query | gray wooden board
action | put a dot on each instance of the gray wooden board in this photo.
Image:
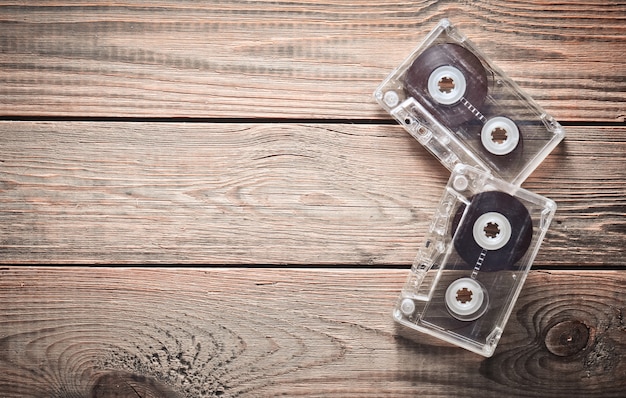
(291, 193)
(292, 59)
(80, 332)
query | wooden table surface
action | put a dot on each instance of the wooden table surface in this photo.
(239, 141)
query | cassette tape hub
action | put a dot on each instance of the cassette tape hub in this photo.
(465, 110)
(466, 277)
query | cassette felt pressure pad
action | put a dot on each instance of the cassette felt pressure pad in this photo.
(464, 109)
(487, 230)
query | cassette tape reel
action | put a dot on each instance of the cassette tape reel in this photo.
(481, 244)
(464, 109)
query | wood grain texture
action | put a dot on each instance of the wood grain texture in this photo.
(96, 332)
(292, 59)
(249, 187)
(270, 194)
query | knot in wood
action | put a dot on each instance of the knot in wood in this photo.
(567, 338)
(120, 384)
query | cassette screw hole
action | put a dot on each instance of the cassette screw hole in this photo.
(407, 121)
(446, 84)
(460, 183)
(407, 307)
(391, 98)
(499, 135)
(464, 296)
(492, 230)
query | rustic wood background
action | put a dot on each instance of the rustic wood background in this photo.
(239, 141)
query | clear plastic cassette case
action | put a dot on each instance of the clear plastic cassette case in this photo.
(463, 109)
(468, 274)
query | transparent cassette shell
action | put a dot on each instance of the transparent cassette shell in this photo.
(507, 132)
(465, 302)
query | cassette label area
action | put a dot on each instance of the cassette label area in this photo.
(464, 109)
(467, 275)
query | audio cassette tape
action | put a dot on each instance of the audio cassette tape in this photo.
(468, 274)
(464, 109)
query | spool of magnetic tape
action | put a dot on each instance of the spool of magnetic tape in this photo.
(467, 276)
(465, 110)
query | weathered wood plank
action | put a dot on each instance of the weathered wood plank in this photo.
(292, 59)
(270, 194)
(93, 332)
